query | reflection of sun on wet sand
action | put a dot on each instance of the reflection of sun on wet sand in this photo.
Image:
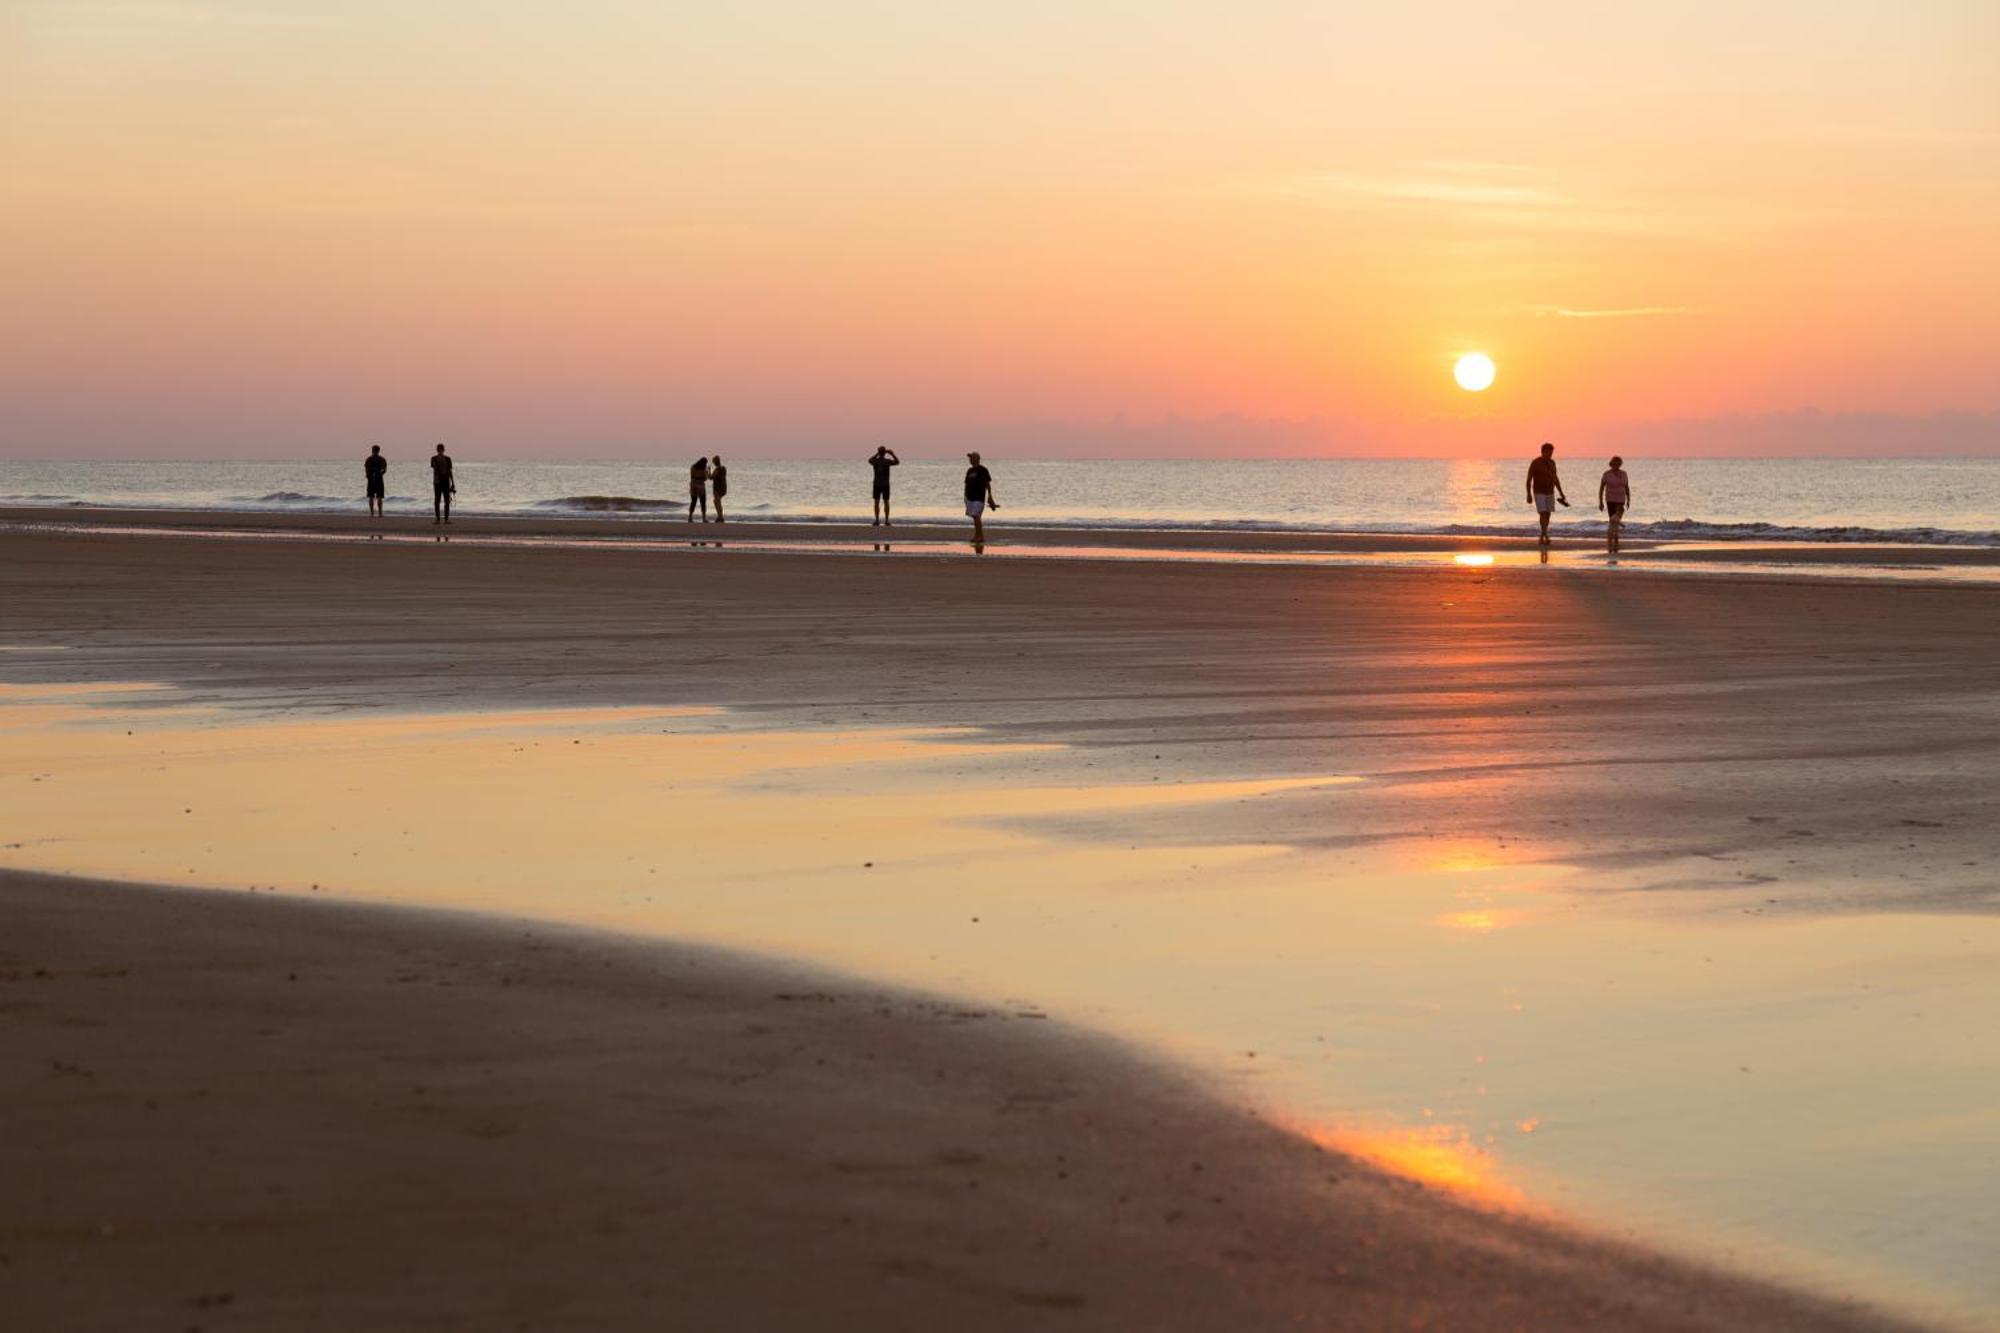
(1706, 814)
(300, 1115)
(1441, 1156)
(1968, 563)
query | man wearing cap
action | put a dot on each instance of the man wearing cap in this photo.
(1545, 488)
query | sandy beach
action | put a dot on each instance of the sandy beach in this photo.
(208, 1138)
(1035, 667)
(245, 1112)
(1858, 715)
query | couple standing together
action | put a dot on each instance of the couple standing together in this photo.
(707, 474)
(1545, 490)
(978, 490)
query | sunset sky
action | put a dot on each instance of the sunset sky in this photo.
(608, 227)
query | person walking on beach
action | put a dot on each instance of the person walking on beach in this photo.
(376, 469)
(443, 487)
(718, 481)
(1614, 493)
(698, 489)
(1545, 488)
(882, 460)
(978, 497)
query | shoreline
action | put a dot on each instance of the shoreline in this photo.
(1949, 565)
(1782, 750)
(370, 1109)
(673, 527)
(1051, 533)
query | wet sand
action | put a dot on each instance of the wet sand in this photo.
(674, 528)
(238, 1111)
(920, 536)
(1833, 744)
(1799, 748)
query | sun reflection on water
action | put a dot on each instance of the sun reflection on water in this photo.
(1480, 922)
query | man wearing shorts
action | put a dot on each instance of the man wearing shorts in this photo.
(1545, 488)
(1614, 492)
(978, 497)
(443, 487)
(376, 469)
(883, 459)
(718, 482)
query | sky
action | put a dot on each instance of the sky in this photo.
(615, 228)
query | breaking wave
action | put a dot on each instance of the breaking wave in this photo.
(608, 504)
(1696, 530)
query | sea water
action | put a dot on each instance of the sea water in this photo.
(1951, 501)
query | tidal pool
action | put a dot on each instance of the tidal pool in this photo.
(1804, 1096)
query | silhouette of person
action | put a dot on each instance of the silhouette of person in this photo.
(881, 461)
(1614, 493)
(1545, 488)
(443, 486)
(698, 489)
(376, 469)
(978, 497)
(718, 481)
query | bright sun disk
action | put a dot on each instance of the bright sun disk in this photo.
(1473, 372)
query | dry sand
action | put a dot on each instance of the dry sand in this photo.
(559, 1149)
(233, 1111)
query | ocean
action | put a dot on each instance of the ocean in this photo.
(1945, 501)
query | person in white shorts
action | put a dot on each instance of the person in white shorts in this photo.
(978, 496)
(1614, 493)
(1545, 488)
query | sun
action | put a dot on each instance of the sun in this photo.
(1473, 372)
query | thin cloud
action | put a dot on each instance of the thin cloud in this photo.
(1497, 194)
(1625, 312)
(164, 13)
(1888, 134)
(1499, 197)
(1450, 185)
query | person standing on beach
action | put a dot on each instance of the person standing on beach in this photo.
(1614, 493)
(882, 460)
(376, 469)
(698, 489)
(1545, 488)
(978, 497)
(443, 487)
(718, 481)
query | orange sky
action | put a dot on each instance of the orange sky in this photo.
(277, 228)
